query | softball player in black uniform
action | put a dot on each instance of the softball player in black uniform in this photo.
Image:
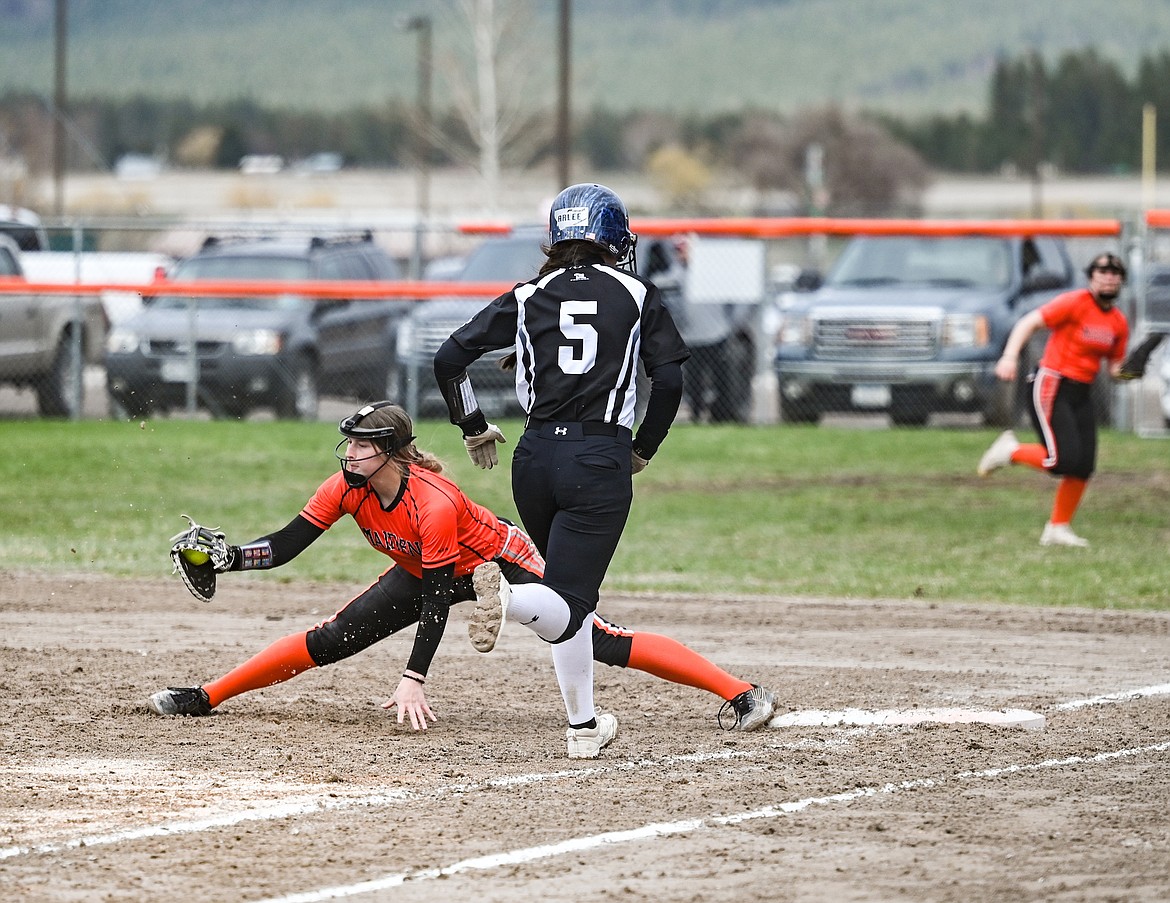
(578, 330)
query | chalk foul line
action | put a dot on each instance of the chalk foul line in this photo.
(315, 804)
(613, 838)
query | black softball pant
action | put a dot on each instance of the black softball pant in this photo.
(1063, 415)
(393, 604)
(573, 492)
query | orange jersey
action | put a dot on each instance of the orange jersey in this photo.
(430, 525)
(1082, 335)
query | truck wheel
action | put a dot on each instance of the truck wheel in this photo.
(733, 396)
(59, 390)
(1001, 410)
(1008, 403)
(298, 398)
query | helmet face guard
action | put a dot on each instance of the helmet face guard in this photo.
(591, 212)
(385, 436)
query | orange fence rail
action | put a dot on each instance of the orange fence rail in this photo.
(790, 227)
(407, 290)
(745, 227)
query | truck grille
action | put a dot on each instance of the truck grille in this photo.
(430, 334)
(433, 333)
(169, 348)
(875, 339)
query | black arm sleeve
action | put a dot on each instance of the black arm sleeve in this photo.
(451, 362)
(438, 586)
(284, 545)
(666, 387)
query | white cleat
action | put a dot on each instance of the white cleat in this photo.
(587, 742)
(999, 454)
(1061, 535)
(492, 595)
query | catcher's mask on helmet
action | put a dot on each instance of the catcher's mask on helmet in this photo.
(382, 432)
(1108, 263)
(591, 212)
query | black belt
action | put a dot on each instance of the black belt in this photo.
(588, 428)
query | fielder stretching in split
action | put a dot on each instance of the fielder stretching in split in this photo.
(437, 537)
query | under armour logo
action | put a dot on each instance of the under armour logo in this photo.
(580, 277)
(561, 431)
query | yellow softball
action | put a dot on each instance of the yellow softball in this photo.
(195, 556)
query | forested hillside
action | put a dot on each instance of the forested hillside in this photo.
(907, 57)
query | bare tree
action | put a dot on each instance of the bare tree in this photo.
(499, 97)
(866, 170)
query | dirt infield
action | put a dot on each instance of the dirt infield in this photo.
(308, 791)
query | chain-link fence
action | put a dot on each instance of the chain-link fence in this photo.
(794, 321)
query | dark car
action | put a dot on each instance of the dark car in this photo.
(231, 355)
(509, 259)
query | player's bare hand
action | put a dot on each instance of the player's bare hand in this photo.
(1006, 368)
(412, 701)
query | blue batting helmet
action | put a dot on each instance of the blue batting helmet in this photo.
(591, 212)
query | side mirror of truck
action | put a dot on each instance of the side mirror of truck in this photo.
(808, 281)
(1044, 280)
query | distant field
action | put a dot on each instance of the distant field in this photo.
(900, 57)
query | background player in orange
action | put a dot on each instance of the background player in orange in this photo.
(437, 537)
(1086, 329)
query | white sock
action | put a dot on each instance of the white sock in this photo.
(573, 660)
(540, 609)
(545, 613)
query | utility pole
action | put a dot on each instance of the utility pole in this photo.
(564, 137)
(422, 143)
(59, 33)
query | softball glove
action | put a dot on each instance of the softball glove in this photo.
(199, 553)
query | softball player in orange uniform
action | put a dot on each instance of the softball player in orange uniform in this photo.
(1086, 329)
(437, 538)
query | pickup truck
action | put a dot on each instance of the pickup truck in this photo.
(912, 325)
(46, 340)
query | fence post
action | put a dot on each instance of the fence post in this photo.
(77, 335)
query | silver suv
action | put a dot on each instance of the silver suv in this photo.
(46, 340)
(232, 355)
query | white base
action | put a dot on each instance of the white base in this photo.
(1020, 718)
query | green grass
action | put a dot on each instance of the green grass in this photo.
(727, 510)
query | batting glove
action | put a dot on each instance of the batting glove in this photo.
(482, 448)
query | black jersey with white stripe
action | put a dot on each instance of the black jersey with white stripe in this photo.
(578, 334)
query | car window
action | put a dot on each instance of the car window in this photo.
(1050, 257)
(974, 262)
(333, 267)
(283, 269)
(276, 268)
(27, 238)
(381, 265)
(504, 260)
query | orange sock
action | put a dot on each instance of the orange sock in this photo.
(671, 660)
(1032, 454)
(284, 659)
(1068, 498)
